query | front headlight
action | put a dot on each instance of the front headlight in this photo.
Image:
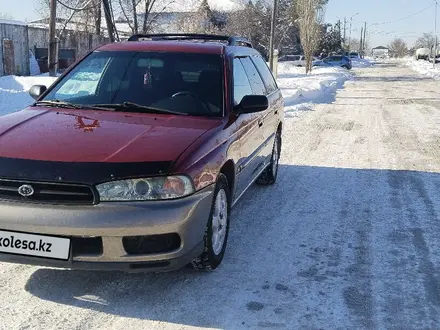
(147, 189)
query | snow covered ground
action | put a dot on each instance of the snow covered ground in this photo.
(301, 91)
(424, 67)
(14, 91)
(362, 62)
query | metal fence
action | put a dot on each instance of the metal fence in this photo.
(16, 42)
(14, 50)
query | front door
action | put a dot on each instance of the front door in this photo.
(249, 131)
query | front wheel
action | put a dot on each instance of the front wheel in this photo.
(217, 229)
(269, 175)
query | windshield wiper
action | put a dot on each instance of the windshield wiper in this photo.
(130, 106)
(67, 105)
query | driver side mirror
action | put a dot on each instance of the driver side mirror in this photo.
(37, 90)
(252, 104)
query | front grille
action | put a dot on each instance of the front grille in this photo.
(49, 193)
(136, 245)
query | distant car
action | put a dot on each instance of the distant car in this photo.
(335, 60)
(423, 54)
(354, 55)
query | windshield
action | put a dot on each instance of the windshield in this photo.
(177, 82)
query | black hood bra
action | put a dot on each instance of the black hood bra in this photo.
(78, 172)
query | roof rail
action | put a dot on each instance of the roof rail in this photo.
(231, 40)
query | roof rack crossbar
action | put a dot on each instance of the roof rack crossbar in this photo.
(231, 40)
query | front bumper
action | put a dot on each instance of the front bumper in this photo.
(186, 217)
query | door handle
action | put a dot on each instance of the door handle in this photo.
(260, 123)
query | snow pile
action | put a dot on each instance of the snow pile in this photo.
(362, 62)
(33, 65)
(14, 91)
(301, 91)
(424, 67)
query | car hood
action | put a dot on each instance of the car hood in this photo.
(59, 135)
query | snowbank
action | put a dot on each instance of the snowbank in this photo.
(301, 91)
(14, 90)
(424, 67)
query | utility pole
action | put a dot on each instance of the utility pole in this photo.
(135, 19)
(109, 20)
(435, 33)
(345, 28)
(361, 45)
(349, 37)
(52, 59)
(272, 34)
(365, 39)
(339, 32)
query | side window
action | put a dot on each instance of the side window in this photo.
(257, 84)
(242, 86)
(268, 78)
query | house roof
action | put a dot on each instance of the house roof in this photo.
(381, 47)
(12, 22)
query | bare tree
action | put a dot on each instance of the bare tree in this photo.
(84, 14)
(310, 28)
(427, 40)
(398, 47)
(152, 10)
(149, 9)
(130, 12)
(355, 45)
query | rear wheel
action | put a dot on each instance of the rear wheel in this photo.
(269, 175)
(217, 229)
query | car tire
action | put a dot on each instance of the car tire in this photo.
(215, 246)
(269, 175)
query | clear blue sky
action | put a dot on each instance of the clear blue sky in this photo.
(371, 11)
(380, 11)
(20, 9)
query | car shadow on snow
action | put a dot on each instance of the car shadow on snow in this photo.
(296, 249)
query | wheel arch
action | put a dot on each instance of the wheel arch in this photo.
(228, 170)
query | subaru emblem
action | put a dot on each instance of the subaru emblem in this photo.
(26, 190)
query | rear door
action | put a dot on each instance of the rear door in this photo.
(271, 117)
(250, 134)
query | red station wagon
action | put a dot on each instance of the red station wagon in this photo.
(134, 157)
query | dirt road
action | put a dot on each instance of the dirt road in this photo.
(348, 238)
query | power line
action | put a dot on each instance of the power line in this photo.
(404, 18)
